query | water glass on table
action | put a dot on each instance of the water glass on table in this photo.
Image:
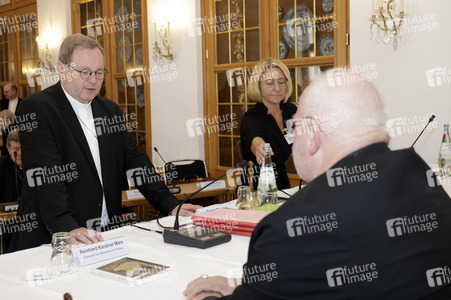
(61, 252)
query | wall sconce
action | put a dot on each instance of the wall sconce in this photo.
(382, 18)
(44, 61)
(162, 48)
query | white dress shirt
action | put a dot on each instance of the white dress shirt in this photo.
(13, 105)
(84, 115)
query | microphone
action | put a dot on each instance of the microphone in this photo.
(174, 189)
(430, 120)
(156, 150)
(16, 173)
(196, 235)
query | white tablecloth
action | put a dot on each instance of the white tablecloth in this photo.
(185, 264)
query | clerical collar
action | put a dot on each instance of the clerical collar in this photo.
(76, 105)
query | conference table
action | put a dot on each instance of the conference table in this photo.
(185, 265)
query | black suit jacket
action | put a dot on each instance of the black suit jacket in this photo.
(257, 122)
(315, 258)
(8, 189)
(57, 139)
(4, 103)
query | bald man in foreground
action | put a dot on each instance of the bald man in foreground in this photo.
(371, 224)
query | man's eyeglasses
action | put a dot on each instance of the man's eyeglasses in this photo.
(86, 73)
(302, 122)
(271, 83)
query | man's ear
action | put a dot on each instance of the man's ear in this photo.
(61, 67)
(314, 140)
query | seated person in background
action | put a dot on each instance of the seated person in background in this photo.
(270, 85)
(9, 191)
(371, 223)
(6, 118)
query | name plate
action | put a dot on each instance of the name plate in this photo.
(220, 184)
(93, 253)
(133, 194)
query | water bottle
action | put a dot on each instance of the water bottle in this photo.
(267, 187)
(444, 157)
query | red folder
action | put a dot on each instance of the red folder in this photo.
(241, 222)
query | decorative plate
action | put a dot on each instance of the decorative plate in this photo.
(304, 30)
(326, 45)
(125, 52)
(122, 10)
(328, 5)
(283, 49)
(139, 56)
(140, 97)
(280, 12)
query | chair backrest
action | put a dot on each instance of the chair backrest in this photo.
(184, 169)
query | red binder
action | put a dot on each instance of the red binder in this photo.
(241, 222)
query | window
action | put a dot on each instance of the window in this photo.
(307, 35)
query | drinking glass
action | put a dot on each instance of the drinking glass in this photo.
(243, 190)
(61, 252)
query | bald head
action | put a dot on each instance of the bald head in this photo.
(10, 91)
(337, 116)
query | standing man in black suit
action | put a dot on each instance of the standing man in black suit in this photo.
(371, 223)
(11, 99)
(11, 170)
(76, 151)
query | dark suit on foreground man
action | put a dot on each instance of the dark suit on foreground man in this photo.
(76, 152)
(371, 223)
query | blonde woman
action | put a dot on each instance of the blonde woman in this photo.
(270, 85)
